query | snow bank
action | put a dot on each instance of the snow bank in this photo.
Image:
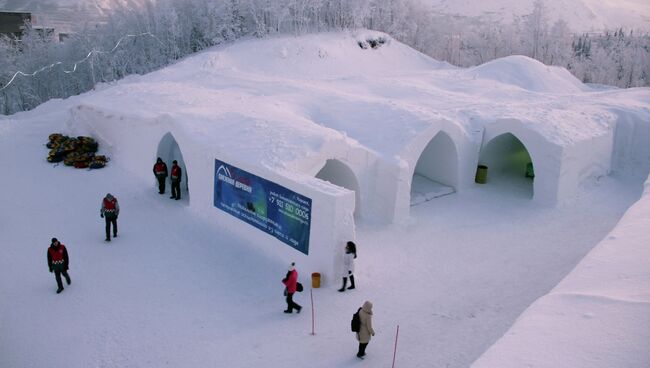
(598, 316)
(528, 74)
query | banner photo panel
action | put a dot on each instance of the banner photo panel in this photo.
(268, 206)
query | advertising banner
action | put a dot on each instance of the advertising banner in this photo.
(268, 206)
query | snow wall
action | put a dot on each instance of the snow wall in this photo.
(598, 316)
(443, 153)
(446, 153)
(631, 148)
(560, 170)
(134, 142)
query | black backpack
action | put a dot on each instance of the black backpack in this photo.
(355, 324)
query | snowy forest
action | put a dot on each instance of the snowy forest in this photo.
(137, 41)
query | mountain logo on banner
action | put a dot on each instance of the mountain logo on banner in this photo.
(223, 174)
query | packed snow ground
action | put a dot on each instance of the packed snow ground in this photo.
(177, 289)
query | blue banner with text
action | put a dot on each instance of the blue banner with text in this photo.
(268, 206)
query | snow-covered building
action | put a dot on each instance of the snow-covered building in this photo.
(365, 133)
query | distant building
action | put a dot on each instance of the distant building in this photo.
(45, 33)
(13, 24)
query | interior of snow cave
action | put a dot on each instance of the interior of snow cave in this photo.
(340, 174)
(509, 164)
(436, 171)
(169, 151)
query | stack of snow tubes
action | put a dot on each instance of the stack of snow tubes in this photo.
(75, 151)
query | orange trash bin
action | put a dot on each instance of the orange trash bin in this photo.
(315, 280)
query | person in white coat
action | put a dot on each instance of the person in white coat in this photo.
(348, 265)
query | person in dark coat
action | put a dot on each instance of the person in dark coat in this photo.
(176, 180)
(160, 171)
(291, 283)
(348, 265)
(57, 261)
(109, 211)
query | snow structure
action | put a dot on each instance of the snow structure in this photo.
(350, 127)
(367, 134)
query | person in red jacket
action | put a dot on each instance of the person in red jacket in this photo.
(160, 171)
(176, 180)
(57, 261)
(109, 211)
(291, 283)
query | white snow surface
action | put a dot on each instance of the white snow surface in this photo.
(601, 309)
(178, 289)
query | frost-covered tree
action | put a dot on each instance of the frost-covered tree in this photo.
(163, 31)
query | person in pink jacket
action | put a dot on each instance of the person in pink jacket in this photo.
(291, 283)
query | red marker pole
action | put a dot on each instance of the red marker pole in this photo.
(395, 351)
(311, 293)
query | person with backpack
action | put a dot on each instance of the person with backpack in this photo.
(160, 171)
(57, 261)
(291, 284)
(176, 180)
(109, 211)
(365, 328)
(348, 265)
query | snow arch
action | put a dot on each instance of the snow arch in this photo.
(546, 156)
(169, 150)
(509, 163)
(436, 170)
(340, 174)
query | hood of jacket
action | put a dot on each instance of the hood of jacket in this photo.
(367, 307)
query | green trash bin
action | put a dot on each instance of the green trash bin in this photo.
(530, 173)
(481, 174)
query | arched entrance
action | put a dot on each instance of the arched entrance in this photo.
(509, 164)
(169, 151)
(436, 171)
(338, 173)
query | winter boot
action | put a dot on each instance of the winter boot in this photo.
(351, 282)
(59, 290)
(345, 281)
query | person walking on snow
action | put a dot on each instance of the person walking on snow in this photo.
(176, 180)
(291, 283)
(365, 330)
(348, 265)
(57, 261)
(109, 211)
(160, 171)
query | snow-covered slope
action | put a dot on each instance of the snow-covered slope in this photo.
(177, 288)
(581, 15)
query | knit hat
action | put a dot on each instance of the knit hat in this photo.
(54, 240)
(109, 196)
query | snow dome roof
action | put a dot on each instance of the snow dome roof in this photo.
(529, 74)
(304, 93)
